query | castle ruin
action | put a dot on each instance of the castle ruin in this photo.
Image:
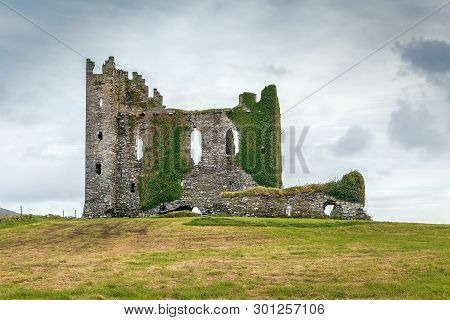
(138, 155)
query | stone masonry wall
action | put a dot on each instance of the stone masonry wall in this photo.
(301, 206)
(216, 172)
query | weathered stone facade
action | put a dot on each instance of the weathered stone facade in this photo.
(111, 169)
(122, 119)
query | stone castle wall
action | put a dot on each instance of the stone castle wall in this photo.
(216, 172)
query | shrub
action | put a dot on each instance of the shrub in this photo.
(350, 188)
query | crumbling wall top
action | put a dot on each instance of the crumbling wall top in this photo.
(90, 65)
(109, 67)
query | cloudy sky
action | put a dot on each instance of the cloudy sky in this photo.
(389, 118)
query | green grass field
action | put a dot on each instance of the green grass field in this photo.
(222, 258)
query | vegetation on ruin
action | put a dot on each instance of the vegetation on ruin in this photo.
(136, 93)
(164, 162)
(223, 258)
(349, 188)
(258, 124)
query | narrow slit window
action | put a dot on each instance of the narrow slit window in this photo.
(100, 136)
(133, 187)
(139, 149)
(98, 168)
(289, 210)
(100, 102)
(229, 143)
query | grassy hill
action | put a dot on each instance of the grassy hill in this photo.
(221, 257)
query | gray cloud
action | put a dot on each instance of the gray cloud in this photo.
(355, 140)
(424, 127)
(276, 70)
(416, 128)
(428, 56)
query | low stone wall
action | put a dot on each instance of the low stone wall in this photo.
(306, 205)
(301, 206)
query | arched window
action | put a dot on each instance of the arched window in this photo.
(196, 146)
(100, 135)
(139, 149)
(229, 144)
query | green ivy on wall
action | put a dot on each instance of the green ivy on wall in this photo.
(165, 161)
(258, 124)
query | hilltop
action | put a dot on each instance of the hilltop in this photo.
(222, 257)
(5, 212)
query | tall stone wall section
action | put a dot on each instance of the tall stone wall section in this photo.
(101, 143)
(217, 171)
(117, 110)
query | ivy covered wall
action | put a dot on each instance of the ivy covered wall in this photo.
(259, 127)
(165, 161)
